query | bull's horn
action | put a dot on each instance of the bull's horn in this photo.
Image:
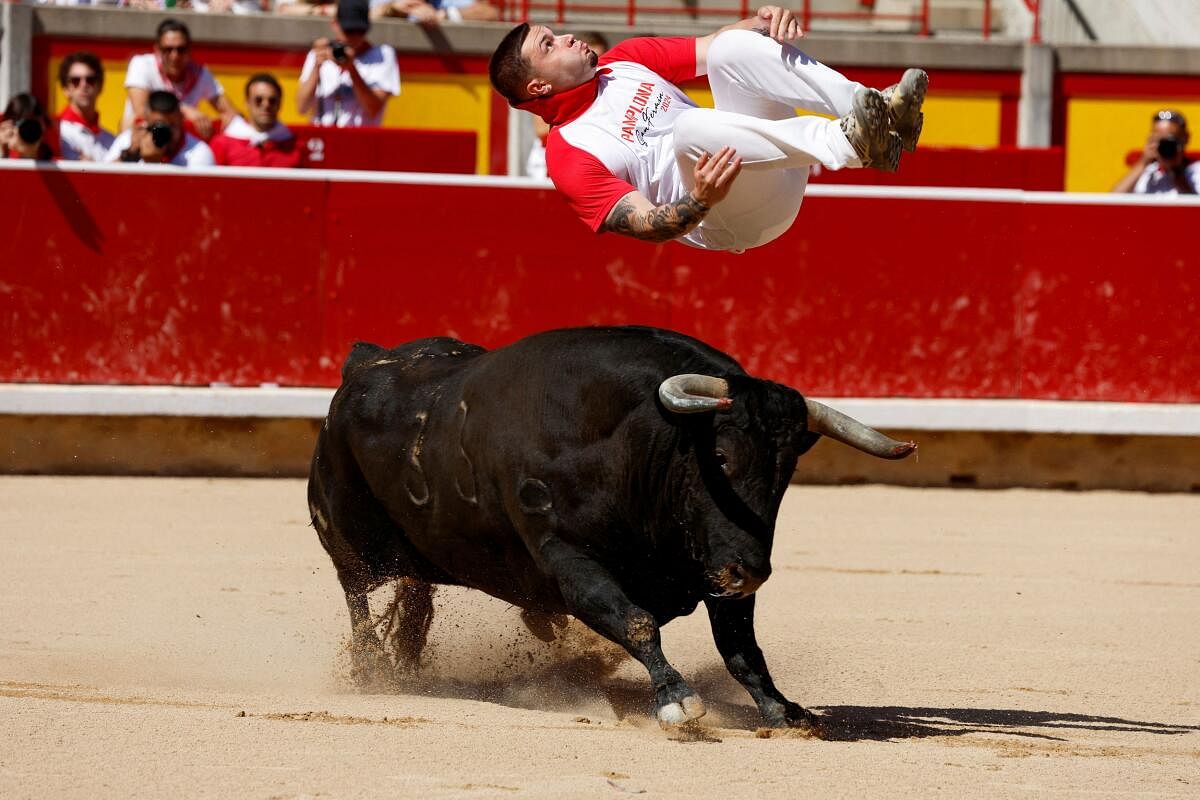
(693, 394)
(826, 421)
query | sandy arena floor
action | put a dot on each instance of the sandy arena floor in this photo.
(185, 638)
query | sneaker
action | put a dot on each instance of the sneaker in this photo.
(868, 129)
(904, 100)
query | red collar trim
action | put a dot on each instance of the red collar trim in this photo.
(562, 107)
(71, 115)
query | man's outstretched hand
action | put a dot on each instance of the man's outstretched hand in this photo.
(714, 175)
(778, 23)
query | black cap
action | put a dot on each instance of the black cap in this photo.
(354, 16)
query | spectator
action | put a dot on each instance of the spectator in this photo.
(160, 138)
(262, 141)
(200, 6)
(24, 129)
(171, 69)
(80, 136)
(346, 83)
(535, 163)
(1164, 167)
(434, 12)
(228, 6)
(307, 8)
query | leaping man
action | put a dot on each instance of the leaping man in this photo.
(634, 155)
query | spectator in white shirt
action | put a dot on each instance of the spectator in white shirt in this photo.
(170, 69)
(160, 137)
(80, 136)
(347, 82)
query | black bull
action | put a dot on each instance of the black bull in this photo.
(621, 475)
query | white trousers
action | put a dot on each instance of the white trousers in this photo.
(757, 84)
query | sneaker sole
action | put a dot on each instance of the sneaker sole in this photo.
(905, 107)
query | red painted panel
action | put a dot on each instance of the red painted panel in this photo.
(1035, 169)
(891, 298)
(158, 278)
(486, 264)
(1108, 304)
(1107, 85)
(387, 149)
(200, 279)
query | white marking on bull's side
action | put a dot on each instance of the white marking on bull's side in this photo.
(468, 494)
(414, 459)
(383, 362)
(318, 520)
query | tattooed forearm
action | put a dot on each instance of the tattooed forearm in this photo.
(660, 224)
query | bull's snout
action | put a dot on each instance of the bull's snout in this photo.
(737, 580)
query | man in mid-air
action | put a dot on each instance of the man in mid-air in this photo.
(634, 155)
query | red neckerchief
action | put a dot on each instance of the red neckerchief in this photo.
(190, 78)
(562, 107)
(71, 115)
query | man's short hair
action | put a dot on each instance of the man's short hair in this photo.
(82, 57)
(509, 70)
(163, 103)
(263, 77)
(172, 25)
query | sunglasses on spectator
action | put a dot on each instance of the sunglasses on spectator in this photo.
(90, 80)
(1167, 115)
(181, 49)
(265, 99)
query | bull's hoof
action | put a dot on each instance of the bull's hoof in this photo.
(370, 668)
(792, 715)
(688, 709)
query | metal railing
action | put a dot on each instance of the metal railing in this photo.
(516, 10)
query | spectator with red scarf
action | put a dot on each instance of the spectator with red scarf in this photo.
(170, 69)
(80, 136)
(259, 140)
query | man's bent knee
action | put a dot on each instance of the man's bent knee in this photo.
(730, 48)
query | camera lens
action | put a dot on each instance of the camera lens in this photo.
(160, 134)
(1168, 147)
(338, 50)
(30, 131)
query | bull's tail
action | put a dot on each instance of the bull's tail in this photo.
(360, 354)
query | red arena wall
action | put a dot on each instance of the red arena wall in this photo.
(224, 277)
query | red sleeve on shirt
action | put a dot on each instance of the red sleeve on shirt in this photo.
(673, 57)
(220, 147)
(587, 184)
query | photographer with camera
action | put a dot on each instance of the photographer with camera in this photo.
(24, 129)
(346, 82)
(160, 137)
(1164, 167)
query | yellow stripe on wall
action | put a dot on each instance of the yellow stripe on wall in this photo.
(1101, 131)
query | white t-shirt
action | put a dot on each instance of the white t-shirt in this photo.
(194, 153)
(615, 134)
(144, 72)
(79, 140)
(336, 104)
(1154, 181)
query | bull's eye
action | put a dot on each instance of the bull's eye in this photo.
(722, 460)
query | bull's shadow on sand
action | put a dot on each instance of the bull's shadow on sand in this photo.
(571, 685)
